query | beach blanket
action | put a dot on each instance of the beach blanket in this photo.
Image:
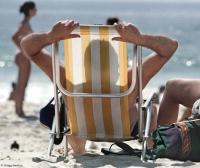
(179, 141)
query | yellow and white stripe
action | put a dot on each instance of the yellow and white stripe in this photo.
(96, 64)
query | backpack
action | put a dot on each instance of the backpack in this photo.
(179, 141)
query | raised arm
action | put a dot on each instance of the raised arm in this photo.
(33, 44)
(162, 46)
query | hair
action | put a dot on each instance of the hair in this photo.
(112, 20)
(26, 6)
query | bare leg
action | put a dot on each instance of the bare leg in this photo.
(179, 91)
(22, 80)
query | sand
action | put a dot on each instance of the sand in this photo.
(33, 142)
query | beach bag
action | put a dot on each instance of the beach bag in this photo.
(180, 141)
(47, 114)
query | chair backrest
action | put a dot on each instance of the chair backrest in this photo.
(95, 63)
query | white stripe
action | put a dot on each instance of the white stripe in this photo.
(115, 85)
(96, 83)
(78, 87)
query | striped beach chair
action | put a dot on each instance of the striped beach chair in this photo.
(96, 91)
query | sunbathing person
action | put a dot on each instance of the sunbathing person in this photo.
(178, 91)
(163, 48)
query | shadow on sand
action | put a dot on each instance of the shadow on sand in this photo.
(95, 160)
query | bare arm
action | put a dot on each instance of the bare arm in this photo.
(162, 46)
(33, 43)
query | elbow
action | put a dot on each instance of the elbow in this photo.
(170, 49)
(174, 46)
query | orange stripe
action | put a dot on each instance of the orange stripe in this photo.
(87, 85)
(69, 85)
(105, 80)
(123, 70)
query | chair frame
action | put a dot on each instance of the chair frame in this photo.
(146, 108)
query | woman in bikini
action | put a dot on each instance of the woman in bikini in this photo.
(28, 9)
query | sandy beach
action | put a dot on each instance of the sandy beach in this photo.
(33, 142)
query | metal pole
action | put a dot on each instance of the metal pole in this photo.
(54, 54)
(141, 115)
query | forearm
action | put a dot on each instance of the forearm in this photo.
(162, 45)
(34, 43)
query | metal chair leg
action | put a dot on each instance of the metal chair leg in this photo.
(146, 133)
(66, 146)
(51, 141)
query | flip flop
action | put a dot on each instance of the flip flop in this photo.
(125, 150)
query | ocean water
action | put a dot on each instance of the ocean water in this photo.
(175, 18)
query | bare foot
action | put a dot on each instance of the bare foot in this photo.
(21, 114)
(77, 144)
(18, 99)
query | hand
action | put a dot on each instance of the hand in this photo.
(128, 33)
(62, 30)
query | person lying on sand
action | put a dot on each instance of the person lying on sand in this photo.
(163, 48)
(178, 92)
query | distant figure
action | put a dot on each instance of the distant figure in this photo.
(28, 9)
(112, 20)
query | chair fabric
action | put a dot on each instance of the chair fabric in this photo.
(96, 64)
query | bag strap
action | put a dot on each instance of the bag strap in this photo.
(53, 99)
(126, 150)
